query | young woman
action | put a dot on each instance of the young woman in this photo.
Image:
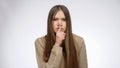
(60, 48)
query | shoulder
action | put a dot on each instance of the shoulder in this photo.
(78, 39)
(79, 42)
(40, 42)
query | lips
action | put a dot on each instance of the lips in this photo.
(62, 29)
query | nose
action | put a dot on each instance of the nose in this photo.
(59, 23)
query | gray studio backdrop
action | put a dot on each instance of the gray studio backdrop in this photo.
(22, 21)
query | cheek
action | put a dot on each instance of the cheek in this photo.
(54, 26)
(64, 25)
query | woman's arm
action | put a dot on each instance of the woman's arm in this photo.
(55, 56)
(82, 56)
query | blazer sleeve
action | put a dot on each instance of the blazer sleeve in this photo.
(82, 56)
(54, 59)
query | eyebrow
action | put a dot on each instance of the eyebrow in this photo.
(57, 18)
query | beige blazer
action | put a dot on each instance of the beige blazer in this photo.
(56, 57)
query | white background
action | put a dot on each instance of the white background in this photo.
(22, 21)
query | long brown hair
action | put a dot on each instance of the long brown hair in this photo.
(69, 50)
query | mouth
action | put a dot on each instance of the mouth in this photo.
(61, 29)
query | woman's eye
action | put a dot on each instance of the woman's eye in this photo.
(64, 19)
(54, 19)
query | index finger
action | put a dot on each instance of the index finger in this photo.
(60, 28)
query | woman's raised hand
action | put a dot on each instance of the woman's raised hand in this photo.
(60, 36)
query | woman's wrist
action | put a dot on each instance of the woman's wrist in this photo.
(57, 43)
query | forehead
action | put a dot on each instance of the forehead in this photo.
(59, 14)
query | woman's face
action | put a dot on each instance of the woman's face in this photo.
(59, 21)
